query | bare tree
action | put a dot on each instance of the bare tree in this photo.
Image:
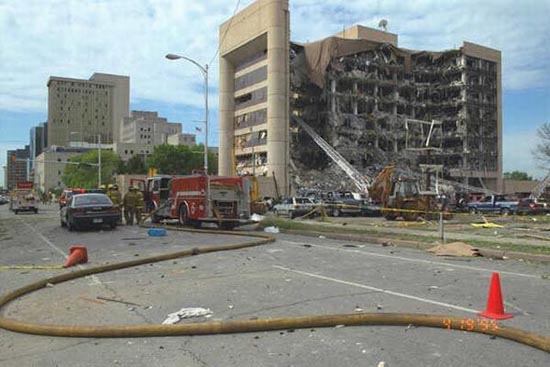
(542, 151)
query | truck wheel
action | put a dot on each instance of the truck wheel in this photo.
(505, 211)
(473, 211)
(183, 217)
(35, 211)
(409, 213)
(336, 212)
(227, 226)
(70, 227)
(16, 211)
(276, 212)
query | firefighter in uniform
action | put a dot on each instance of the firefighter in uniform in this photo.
(103, 188)
(139, 205)
(129, 204)
(115, 196)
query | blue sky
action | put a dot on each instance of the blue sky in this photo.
(75, 38)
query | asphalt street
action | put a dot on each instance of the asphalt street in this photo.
(295, 276)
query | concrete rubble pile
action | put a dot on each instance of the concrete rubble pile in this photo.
(358, 94)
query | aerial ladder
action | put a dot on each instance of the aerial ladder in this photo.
(358, 179)
(539, 189)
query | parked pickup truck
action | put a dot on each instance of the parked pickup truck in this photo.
(497, 204)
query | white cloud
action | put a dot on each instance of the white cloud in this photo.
(75, 38)
(518, 154)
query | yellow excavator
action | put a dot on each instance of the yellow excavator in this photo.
(402, 197)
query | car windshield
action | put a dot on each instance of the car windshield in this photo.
(303, 201)
(82, 200)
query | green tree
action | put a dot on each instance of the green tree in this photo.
(136, 165)
(517, 175)
(85, 173)
(180, 159)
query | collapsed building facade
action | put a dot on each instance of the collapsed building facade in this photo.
(363, 94)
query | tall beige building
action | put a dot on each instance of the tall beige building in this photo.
(80, 109)
(254, 91)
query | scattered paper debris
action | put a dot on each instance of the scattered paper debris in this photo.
(256, 217)
(486, 225)
(379, 307)
(339, 326)
(185, 313)
(271, 229)
(322, 237)
(49, 285)
(454, 249)
(382, 364)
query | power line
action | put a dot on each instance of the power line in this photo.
(226, 30)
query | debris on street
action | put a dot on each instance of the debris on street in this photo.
(271, 229)
(186, 313)
(454, 249)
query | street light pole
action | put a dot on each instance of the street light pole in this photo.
(204, 71)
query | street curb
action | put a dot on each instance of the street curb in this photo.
(490, 253)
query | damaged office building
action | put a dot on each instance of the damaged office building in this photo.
(369, 100)
(367, 97)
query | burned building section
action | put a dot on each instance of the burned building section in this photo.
(358, 95)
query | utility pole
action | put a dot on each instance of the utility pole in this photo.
(99, 160)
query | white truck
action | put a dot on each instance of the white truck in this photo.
(23, 199)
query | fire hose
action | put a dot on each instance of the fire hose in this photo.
(242, 326)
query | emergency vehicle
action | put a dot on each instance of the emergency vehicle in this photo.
(197, 199)
(23, 198)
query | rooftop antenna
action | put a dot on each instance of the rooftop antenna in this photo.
(383, 24)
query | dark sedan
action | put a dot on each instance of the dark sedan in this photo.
(89, 210)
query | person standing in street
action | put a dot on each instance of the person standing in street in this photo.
(139, 205)
(129, 204)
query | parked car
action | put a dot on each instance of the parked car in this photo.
(530, 207)
(4, 199)
(343, 203)
(294, 207)
(89, 210)
(496, 204)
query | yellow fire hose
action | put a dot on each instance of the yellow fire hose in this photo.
(241, 326)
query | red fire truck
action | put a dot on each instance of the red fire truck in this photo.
(197, 199)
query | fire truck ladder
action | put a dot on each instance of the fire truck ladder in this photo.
(357, 178)
(539, 189)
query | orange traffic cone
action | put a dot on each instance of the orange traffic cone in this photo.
(77, 255)
(495, 306)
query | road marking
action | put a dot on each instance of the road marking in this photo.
(44, 239)
(95, 279)
(403, 295)
(402, 258)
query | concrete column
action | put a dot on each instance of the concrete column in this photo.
(278, 92)
(354, 100)
(226, 166)
(333, 96)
